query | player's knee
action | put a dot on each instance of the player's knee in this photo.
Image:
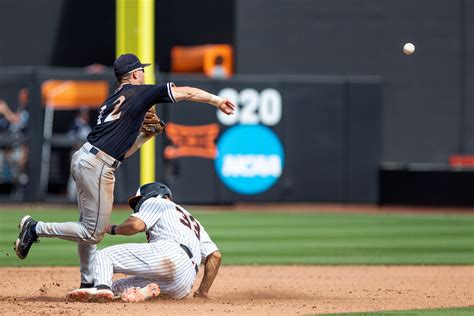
(97, 237)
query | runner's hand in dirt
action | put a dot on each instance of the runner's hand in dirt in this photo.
(200, 295)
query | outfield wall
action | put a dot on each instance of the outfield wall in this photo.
(293, 139)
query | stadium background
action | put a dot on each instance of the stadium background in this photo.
(361, 123)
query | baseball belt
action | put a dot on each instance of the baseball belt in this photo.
(190, 255)
(108, 160)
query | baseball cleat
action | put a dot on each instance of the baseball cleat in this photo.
(136, 294)
(26, 237)
(86, 285)
(90, 295)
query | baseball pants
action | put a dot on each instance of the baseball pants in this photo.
(162, 262)
(95, 180)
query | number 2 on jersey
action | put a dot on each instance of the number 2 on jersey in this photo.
(115, 114)
(191, 223)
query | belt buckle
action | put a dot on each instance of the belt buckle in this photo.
(94, 151)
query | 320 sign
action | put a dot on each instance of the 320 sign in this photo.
(254, 107)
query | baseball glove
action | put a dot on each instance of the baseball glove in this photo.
(152, 124)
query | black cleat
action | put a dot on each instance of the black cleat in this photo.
(86, 285)
(26, 237)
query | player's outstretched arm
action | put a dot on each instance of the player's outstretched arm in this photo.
(131, 226)
(198, 95)
(211, 267)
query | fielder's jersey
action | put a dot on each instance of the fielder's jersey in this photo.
(166, 220)
(122, 114)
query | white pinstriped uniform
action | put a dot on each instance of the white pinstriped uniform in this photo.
(162, 260)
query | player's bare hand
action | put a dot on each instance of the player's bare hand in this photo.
(226, 106)
(200, 295)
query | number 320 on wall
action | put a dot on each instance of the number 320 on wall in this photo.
(255, 108)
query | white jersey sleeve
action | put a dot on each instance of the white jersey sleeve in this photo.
(150, 213)
(207, 245)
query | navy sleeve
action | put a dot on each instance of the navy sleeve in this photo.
(158, 93)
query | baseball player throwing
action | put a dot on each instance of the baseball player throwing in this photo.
(117, 135)
(167, 264)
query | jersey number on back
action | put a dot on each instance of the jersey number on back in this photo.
(114, 115)
(191, 223)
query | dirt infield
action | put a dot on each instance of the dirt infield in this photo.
(258, 290)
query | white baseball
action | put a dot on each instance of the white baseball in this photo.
(408, 48)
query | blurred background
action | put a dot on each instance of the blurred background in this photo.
(330, 109)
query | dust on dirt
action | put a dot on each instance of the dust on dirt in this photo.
(257, 290)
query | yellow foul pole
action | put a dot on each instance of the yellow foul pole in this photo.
(135, 31)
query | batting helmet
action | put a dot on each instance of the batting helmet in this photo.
(146, 191)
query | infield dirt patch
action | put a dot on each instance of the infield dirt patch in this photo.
(257, 290)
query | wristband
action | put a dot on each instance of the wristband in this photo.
(112, 230)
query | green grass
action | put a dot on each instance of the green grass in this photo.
(458, 311)
(282, 238)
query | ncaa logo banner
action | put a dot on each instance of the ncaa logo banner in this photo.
(250, 156)
(250, 159)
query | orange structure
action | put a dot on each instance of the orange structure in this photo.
(465, 161)
(73, 94)
(201, 59)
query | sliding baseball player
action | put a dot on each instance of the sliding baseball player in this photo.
(167, 264)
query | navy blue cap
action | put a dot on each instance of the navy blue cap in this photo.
(126, 63)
